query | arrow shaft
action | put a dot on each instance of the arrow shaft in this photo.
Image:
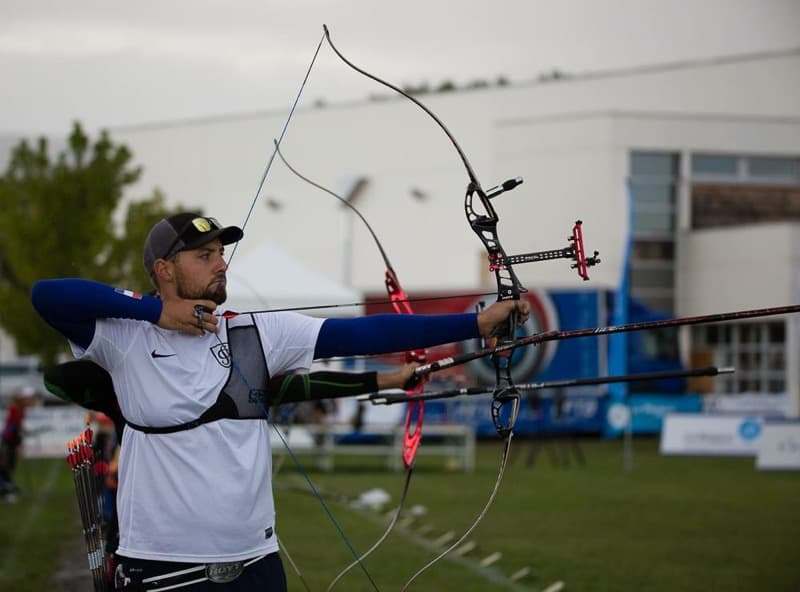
(392, 399)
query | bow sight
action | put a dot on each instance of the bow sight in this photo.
(574, 251)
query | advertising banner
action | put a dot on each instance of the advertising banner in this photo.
(762, 404)
(552, 310)
(49, 429)
(575, 410)
(779, 447)
(711, 435)
(647, 412)
(578, 414)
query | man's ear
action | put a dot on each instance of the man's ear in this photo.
(163, 271)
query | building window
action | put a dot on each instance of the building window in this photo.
(714, 165)
(653, 186)
(745, 169)
(728, 190)
(756, 350)
(785, 169)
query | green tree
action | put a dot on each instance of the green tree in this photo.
(125, 254)
(57, 219)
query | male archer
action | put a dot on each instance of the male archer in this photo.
(195, 500)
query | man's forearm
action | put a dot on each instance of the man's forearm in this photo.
(379, 334)
(295, 388)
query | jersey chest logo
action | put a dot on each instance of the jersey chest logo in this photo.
(222, 354)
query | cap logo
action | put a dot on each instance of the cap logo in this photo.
(201, 224)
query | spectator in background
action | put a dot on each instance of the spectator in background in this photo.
(11, 440)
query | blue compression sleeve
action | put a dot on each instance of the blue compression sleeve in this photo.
(378, 334)
(71, 306)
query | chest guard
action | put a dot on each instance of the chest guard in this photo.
(244, 395)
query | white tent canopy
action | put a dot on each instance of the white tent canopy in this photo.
(267, 277)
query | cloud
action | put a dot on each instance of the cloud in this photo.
(118, 63)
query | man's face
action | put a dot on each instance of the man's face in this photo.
(200, 273)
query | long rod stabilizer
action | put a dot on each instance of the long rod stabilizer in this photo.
(393, 398)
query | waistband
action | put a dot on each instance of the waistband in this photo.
(219, 573)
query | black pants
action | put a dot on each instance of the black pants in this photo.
(265, 575)
(8, 462)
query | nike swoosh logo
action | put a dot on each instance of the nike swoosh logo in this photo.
(155, 355)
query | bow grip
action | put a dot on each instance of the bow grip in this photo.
(506, 331)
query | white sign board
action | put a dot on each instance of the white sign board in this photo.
(779, 447)
(50, 428)
(761, 404)
(712, 435)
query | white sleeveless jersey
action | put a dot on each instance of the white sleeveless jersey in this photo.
(204, 494)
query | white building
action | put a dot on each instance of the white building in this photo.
(702, 157)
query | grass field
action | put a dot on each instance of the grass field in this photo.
(35, 530)
(672, 524)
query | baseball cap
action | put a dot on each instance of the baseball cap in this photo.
(183, 232)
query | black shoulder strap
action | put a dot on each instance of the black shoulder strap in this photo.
(217, 411)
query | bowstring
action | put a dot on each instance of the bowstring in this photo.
(277, 145)
(484, 511)
(389, 270)
(367, 303)
(295, 460)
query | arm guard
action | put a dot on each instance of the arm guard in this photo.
(294, 388)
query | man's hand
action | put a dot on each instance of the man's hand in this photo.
(399, 378)
(494, 316)
(180, 315)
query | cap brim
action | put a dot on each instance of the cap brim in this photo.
(227, 236)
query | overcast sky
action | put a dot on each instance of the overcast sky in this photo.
(111, 63)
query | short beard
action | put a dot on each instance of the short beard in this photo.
(216, 294)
